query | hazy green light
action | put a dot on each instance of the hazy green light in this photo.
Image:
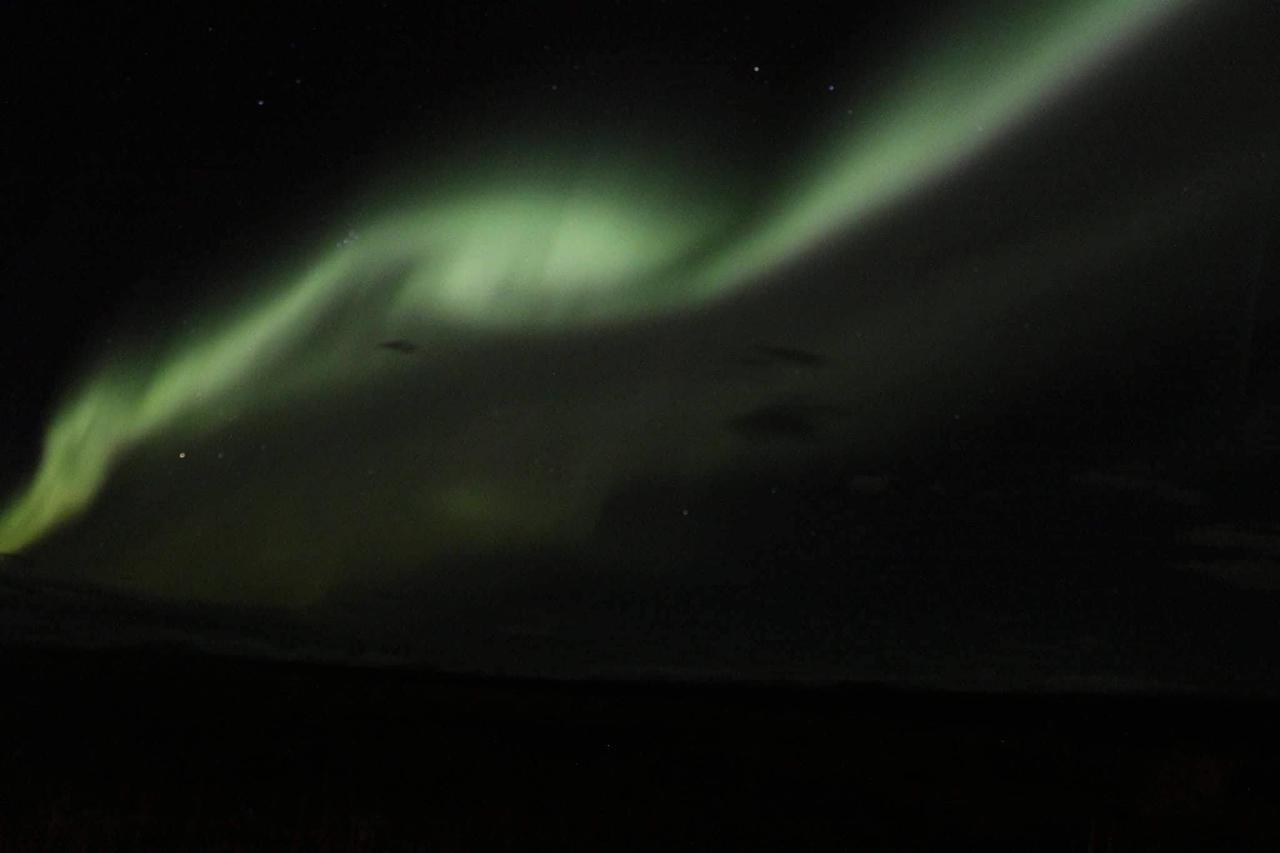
(540, 255)
(967, 92)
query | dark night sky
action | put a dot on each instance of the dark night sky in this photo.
(142, 164)
(1053, 390)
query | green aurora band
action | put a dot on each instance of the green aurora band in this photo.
(536, 255)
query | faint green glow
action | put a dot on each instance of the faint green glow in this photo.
(537, 257)
(544, 256)
(966, 93)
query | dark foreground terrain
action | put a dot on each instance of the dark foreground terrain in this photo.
(168, 750)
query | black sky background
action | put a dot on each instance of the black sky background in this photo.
(157, 152)
(142, 170)
(160, 151)
(1029, 545)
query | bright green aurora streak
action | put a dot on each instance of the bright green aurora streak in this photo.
(533, 255)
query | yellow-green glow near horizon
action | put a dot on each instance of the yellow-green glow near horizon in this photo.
(540, 255)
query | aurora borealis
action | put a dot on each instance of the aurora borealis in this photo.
(879, 345)
(558, 253)
(527, 420)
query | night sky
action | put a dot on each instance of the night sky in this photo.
(870, 341)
